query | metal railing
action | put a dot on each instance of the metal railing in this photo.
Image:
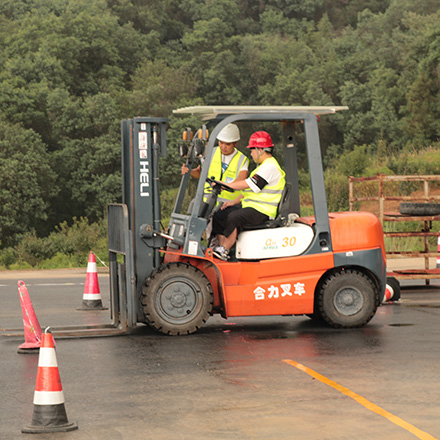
(381, 192)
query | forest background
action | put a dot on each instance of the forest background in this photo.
(71, 70)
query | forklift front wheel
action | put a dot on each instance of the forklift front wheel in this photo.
(348, 299)
(177, 299)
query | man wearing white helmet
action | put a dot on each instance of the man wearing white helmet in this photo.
(228, 164)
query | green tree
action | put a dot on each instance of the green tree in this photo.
(27, 183)
(70, 70)
(88, 155)
(421, 46)
(157, 87)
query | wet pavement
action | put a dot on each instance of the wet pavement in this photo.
(247, 378)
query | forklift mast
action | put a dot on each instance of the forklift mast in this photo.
(143, 142)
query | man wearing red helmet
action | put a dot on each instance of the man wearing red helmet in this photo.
(260, 196)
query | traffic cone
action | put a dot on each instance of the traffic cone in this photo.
(49, 411)
(389, 292)
(438, 252)
(32, 329)
(92, 295)
(392, 290)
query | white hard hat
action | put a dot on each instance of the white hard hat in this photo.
(230, 133)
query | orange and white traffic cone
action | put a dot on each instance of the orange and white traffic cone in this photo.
(392, 290)
(92, 295)
(49, 411)
(32, 329)
(389, 292)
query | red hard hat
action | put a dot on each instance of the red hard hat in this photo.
(260, 139)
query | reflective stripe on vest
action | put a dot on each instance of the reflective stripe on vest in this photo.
(268, 199)
(231, 173)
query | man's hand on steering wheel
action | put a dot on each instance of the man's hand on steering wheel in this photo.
(222, 185)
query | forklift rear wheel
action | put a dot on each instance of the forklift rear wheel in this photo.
(177, 299)
(348, 299)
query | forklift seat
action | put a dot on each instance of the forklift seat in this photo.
(282, 213)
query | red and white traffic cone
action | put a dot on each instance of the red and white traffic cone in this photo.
(389, 292)
(92, 295)
(392, 290)
(438, 252)
(49, 411)
(32, 329)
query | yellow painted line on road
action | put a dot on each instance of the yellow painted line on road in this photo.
(364, 402)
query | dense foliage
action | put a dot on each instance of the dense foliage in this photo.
(70, 70)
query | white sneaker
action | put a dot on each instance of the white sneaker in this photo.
(221, 252)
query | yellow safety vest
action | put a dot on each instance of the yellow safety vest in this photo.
(268, 199)
(229, 175)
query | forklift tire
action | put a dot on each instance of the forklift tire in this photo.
(348, 299)
(177, 299)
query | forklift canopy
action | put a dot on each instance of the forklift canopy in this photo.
(207, 112)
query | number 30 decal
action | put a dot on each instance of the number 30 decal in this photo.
(289, 241)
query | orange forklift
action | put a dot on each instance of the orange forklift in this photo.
(328, 266)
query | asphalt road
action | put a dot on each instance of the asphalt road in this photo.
(262, 378)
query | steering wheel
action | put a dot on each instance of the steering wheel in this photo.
(222, 185)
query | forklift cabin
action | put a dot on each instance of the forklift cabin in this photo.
(329, 266)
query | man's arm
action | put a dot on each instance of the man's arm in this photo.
(242, 175)
(238, 185)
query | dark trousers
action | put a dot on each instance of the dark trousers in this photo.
(235, 217)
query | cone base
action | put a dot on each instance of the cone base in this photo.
(89, 304)
(49, 418)
(60, 428)
(28, 350)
